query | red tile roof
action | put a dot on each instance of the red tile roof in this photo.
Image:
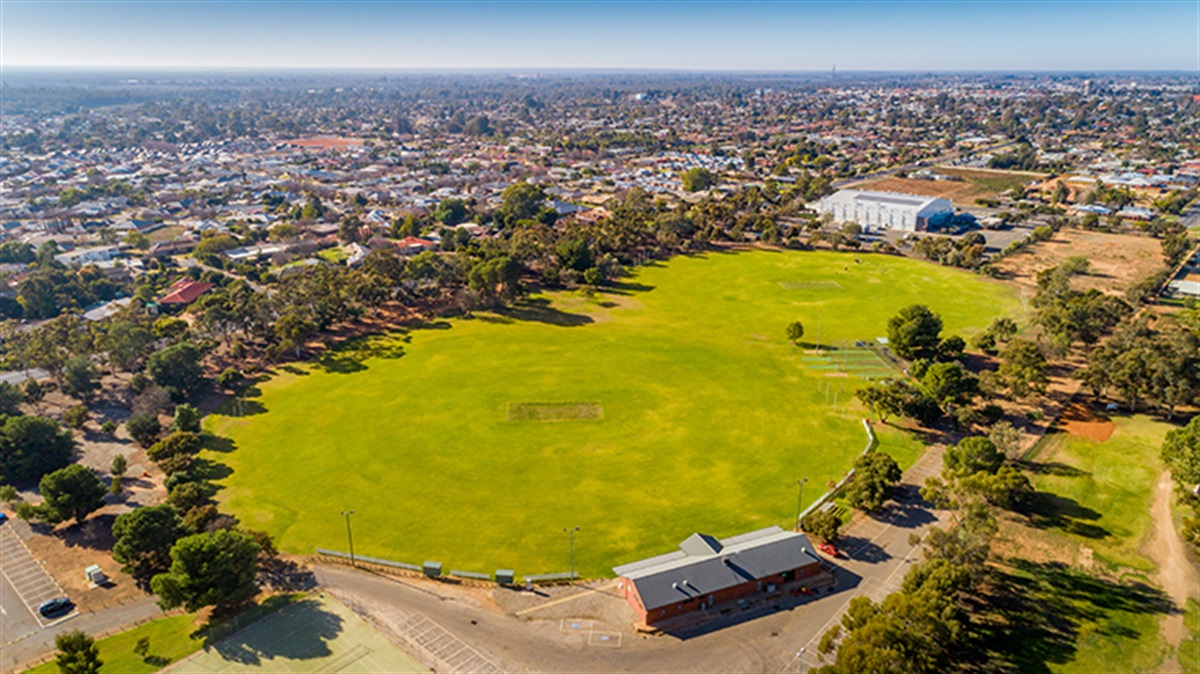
(185, 292)
(414, 241)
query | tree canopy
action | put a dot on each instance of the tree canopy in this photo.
(32, 446)
(144, 540)
(209, 569)
(914, 332)
(73, 492)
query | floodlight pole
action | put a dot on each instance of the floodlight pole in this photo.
(799, 500)
(800, 661)
(349, 536)
(571, 532)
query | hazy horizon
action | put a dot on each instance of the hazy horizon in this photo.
(605, 36)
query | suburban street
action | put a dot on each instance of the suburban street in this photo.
(764, 639)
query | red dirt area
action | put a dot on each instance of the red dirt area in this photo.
(1080, 421)
(325, 143)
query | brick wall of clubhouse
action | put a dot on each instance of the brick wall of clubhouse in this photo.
(747, 589)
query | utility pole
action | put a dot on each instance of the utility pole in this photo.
(571, 532)
(349, 536)
(799, 500)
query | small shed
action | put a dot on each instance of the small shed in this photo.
(95, 575)
(432, 569)
(505, 576)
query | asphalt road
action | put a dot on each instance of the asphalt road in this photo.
(40, 643)
(764, 640)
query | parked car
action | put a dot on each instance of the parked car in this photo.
(827, 549)
(3, 518)
(52, 608)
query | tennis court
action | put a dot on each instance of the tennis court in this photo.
(314, 635)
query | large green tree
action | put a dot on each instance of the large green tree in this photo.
(178, 368)
(77, 653)
(32, 446)
(973, 454)
(915, 332)
(209, 569)
(144, 540)
(875, 473)
(73, 492)
(1023, 368)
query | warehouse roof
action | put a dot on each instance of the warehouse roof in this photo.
(890, 198)
(704, 564)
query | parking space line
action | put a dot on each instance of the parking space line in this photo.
(32, 583)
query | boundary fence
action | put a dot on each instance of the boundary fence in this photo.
(471, 577)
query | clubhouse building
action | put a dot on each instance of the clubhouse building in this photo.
(705, 572)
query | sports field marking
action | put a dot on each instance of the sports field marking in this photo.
(808, 285)
(565, 411)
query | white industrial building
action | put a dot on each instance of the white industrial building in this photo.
(886, 210)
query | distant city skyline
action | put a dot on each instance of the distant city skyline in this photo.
(965, 35)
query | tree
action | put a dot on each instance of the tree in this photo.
(350, 230)
(822, 523)
(187, 418)
(175, 444)
(76, 416)
(520, 201)
(73, 492)
(972, 455)
(144, 428)
(1181, 453)
(1023, 369)
(188, 495)
(142, 647)
(496, 279)
(77, 653)
(949, 384)
(31, 447)
(914, 333)
(697, 179)
(11, 398)
(875, 473)
(1006, 438)
(144, 538)
(450, 211)
(795, 331)
(210, 569)
(293, 328)
(178, 368)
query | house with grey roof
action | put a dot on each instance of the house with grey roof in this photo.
(705, 572)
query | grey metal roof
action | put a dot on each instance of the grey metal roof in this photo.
(704, 564)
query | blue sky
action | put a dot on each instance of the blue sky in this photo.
(865, 35)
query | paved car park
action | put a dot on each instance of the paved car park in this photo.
(26, 584)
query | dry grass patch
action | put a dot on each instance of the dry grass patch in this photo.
(572, 411)
(1118, 260)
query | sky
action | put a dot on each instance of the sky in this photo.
(896, 35)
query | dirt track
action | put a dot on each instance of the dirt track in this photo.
(1176, 572)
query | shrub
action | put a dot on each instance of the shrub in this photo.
(76, 416)
(144, 428)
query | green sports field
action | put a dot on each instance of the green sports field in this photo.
(671, 405)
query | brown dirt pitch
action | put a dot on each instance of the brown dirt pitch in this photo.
(975, 184)
(325, 143)
(1118, 260)
(1081, 421)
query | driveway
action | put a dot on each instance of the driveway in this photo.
(767, 639)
